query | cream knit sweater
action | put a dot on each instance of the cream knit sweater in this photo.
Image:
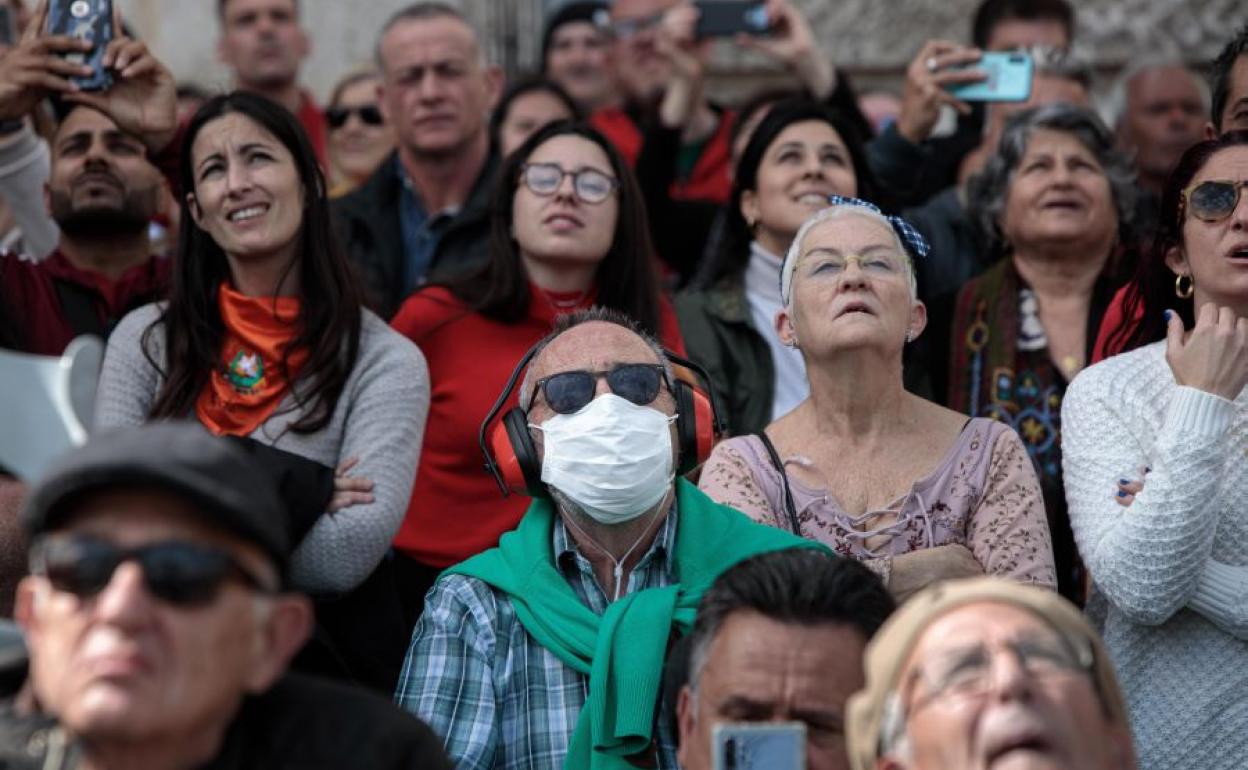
(1174, 565)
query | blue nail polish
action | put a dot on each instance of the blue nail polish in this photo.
(1148, 470)
(1167, 314)
(1122, 493)
(1124, 482)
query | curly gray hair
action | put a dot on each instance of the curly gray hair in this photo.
(986, 191)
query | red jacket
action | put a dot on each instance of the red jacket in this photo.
(312, 118)
(34, 304)
(456, 509)
(709, 179)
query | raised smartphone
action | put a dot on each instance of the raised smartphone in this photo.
(758, 746)
(8, 26)
(1009, 78)
(727, 18)
(90, 20)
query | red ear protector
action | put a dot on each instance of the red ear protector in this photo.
(511, 457)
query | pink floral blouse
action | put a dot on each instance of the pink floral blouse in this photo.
(983, 495)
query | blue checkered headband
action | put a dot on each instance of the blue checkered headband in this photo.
(911, 240)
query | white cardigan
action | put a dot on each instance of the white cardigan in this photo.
(1174, 565)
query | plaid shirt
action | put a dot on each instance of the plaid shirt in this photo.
(497, 698)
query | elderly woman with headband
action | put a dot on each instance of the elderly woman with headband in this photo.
(916, 491)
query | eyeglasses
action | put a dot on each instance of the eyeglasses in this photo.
(1213, 200)
(825, 263)
(180, 573)
(590, 185)
(568, 392)
(967, 672)
(622, 29)
(370, 114)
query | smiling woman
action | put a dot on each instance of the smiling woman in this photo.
(264, 339)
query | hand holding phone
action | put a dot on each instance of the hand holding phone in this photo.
(729, 18)
(90, 21)
(758, 746)
(1007, 78)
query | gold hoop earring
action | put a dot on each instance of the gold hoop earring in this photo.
(1184, 292)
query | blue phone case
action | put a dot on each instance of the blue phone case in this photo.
(90, 20)
(1009, 78)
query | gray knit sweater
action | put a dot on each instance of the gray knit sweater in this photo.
(1174, 565)
(379, 418)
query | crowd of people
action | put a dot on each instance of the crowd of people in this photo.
(569, 419)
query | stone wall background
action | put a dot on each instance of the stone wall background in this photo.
(873, 39)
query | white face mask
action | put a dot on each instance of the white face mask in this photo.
(613, 457)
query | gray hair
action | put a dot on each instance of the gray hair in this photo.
(987, 190)
(1115, 109)
(794, 253)
(425, 11)
(596, 313)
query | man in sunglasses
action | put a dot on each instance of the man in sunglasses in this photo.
(987, 673)
(160, 628)
(547, 651)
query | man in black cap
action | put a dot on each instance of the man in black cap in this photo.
(575, 55)
(159, 627)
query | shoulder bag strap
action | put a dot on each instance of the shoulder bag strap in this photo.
(789, 507)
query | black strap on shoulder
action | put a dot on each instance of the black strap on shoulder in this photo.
(78, 303)
(789, 507)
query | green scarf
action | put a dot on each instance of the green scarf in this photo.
(622, 650)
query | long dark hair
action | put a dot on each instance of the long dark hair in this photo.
(329, 313)
(523, 87)
(627, 278)
(1151, 292)
(731, 260)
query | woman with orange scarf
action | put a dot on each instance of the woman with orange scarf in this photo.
(264, 339)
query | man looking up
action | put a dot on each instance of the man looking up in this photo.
(565, 624)
(160, 628)
(263, 45)
(425, 211)
(103, 189)
(780, 637)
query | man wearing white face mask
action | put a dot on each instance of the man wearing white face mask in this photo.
(547, 651)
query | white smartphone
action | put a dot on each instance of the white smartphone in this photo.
(758, 746)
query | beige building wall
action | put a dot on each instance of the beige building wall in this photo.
(873, 38)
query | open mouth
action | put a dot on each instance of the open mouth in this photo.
(1240, 253)
(1028, 744)
(247, 214)
(562, 221)
(855, 308)
(813, 199)
(1063, 204)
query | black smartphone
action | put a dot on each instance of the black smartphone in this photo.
(90, 20)
(8, 26)
(727, 18)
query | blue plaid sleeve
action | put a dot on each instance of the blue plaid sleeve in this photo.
(447, 678)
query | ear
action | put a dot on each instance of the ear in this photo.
(686, 722)
(280, 635)
(197, 213)
(224, 54)
(888, 763)
(784, 326)
(918, 319)
(1210, 131)
(749, 206)
(304, 44)
(1176, 260)
(47, 200)
(493, 84)
(26, 604)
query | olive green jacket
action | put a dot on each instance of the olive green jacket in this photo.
(720, 337)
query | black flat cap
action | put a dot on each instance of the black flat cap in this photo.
(581, 10)
(182, 458)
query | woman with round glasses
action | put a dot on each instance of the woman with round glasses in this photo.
(799, 155)
(914, 490)
(1171, 559)
(568, 231)
(359, 137)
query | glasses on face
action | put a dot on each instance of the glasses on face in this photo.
(825, 263)
(180, 573)
(1213, 200)
(568, 392)
(622, 29)
(369, 114)
(968, 672)
(590, 185)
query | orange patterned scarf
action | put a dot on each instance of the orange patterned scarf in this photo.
(251, 381)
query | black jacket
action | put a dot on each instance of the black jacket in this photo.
(368, 225)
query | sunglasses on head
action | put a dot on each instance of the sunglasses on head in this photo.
(180, 573)
(568, 392)
(1213, 200)
(370, 114)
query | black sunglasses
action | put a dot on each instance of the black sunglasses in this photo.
(370, 114)
(568, 392)
(180, 573)
(1213, 200)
